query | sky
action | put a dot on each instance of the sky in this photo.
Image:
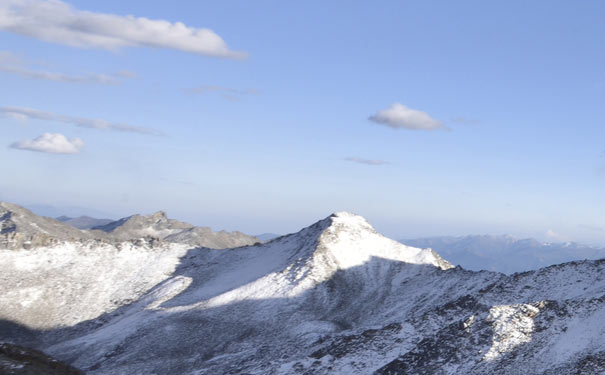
(426, 117)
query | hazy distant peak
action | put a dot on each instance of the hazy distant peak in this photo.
(505, 253)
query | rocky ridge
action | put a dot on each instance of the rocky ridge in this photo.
(22, 229)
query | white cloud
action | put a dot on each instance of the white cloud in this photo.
(24, 114)
(398, 116)
(53, 143)
(366, 161)
(58, 22)
(9, 63)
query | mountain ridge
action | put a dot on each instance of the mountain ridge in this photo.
(21, 228)
(334, 298)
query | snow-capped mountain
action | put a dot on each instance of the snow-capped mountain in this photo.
(505, 253)
(335, 298)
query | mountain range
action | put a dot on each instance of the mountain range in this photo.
(336, 297)
(506, 253)
(21, 228)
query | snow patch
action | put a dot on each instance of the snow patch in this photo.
(512, 325)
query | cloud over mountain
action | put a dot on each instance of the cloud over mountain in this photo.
(58, 22)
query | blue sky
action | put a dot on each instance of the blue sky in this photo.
(426, 117)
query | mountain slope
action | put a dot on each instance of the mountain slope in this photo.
(334, 298)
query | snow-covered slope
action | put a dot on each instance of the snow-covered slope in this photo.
(334, 298)
(505, 253)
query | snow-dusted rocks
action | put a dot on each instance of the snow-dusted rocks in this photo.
(334, 298)
(158, 225)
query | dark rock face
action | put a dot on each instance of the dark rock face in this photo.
(376, 339)
(19, 360)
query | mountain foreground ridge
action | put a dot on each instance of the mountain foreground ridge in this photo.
(334, 298)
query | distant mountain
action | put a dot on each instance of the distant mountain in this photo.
(266, 237)
(505, 253)
(21, 228)
(84, 222)
(70, 211)
(160, 226)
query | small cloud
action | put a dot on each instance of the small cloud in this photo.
(228, 93)
(53, 143)
(366, 161)
(13, 65)
(23, 114)
(58, 22)
(398, 116)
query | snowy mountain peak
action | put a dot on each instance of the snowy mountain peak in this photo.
(344, 241)
(349, 241)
